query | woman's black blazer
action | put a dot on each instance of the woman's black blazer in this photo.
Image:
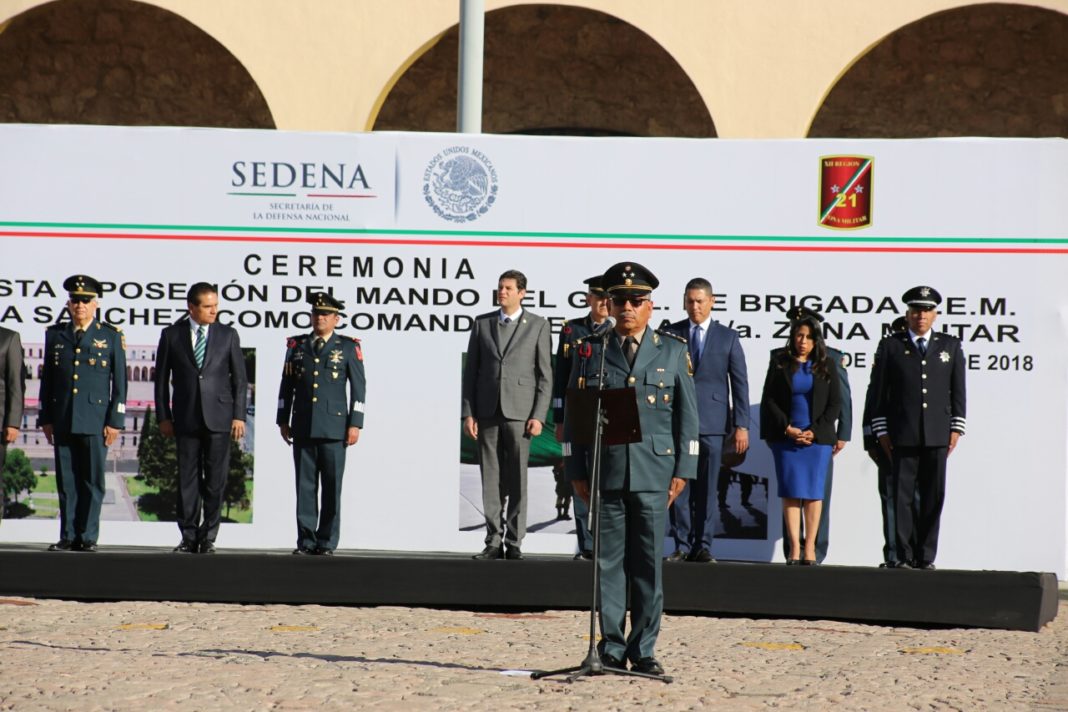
(778, 390)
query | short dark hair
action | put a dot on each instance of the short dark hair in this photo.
(519, 277)
(197, 291)
(699, 283)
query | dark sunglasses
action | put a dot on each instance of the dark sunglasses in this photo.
(636, 302)
(81, 300)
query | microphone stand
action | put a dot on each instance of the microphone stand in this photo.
(593, 665)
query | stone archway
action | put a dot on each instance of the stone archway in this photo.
(121, 62)
(552, 69)
(982, 70)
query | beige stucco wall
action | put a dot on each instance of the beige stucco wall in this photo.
(762, 66)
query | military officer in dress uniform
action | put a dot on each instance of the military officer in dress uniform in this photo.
(574, 329)
(845, 427)
(320, 412)
(918, 415)
(638, 481)
(82, 409)
(885, 468)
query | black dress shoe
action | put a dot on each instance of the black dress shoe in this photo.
(322, 551)
(87, 546)
(207, 547)
(793, 562)
(186, 547)
(612, 661)
(925, 565)
(61, 545)
(678, 555)
(649, 666)
(490, 552)
(301, 551)
(701, 556)
(902, 565)
(513, 553)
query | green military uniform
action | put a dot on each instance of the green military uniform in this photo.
(321, 397)
(572, 331)
(83, 389)
(635, 478)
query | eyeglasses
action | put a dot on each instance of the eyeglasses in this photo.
(636, 302)
(81, 300)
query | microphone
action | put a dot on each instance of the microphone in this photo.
(605, 328)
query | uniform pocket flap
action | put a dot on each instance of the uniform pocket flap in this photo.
(663, 445)
(660, 379)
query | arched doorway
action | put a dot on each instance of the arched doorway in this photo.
(551, 69)
(121, 62)
(982, 70)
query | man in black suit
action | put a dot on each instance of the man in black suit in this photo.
(918, 416)
(12, 382)
(210, 394)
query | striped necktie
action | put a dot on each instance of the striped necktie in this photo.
(200, 347)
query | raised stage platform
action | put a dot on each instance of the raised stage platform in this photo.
(983, 599)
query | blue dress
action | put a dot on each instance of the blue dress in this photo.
(801, 469)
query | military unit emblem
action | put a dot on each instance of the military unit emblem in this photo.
(845, 196)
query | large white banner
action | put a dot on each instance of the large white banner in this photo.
(412, 231)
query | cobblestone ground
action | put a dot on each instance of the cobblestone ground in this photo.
(59, 655)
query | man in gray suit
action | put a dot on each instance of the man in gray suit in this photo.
(507, 386)
(12, 385)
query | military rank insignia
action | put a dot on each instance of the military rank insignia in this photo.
(335, 356)
(845, 192)
(100, 343)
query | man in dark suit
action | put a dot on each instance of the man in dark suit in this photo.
(918, 416)
(722, 384)
(507, 386)
(885, 469)
(12, 385)
(844, 429)
(573, 330)
(320, 413)
(638, 481)
(210, 397)
(82, 409)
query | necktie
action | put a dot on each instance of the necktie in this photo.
(921, 344)
(78, 334)
(695, 345)
(319, 344)
(200, 347)
(630, 349)
(507, 320)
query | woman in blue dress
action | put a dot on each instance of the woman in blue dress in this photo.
(798, 409)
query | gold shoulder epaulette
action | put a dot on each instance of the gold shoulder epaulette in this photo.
(672, 335)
